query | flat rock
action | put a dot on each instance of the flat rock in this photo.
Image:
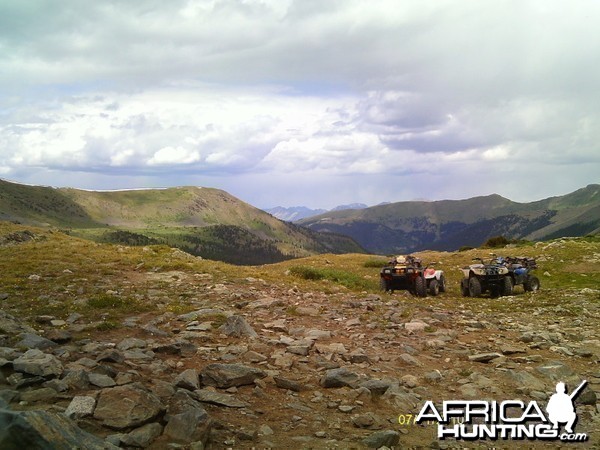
(285, 383)
(335, 378)
(101, 380)
(76, 379)
(415, 326)
(111, 355)
(556, 370)
(314, 335)
(191, 425)
(364, 421)
(336, 348)
(59, 336)
(229, 375)
(188, 379)
(143, 436)
(18, 380)
(237, 326)
(254, 357)
(378, 387)
(308, 311)
(130, 343)
(352, 322)
(13, 326)
(277, 325)
(511, 350)
(217, 398)
(31, 340)
(484, 357)
(386, 438)
(39, 395)
(126, 406)
(201, 313)
(138, 354)
(266, 303)
(45, 430)
(409, 359)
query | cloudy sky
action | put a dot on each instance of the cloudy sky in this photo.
(303, 102)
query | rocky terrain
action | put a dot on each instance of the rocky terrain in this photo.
(121, 347)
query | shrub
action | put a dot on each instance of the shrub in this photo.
(106, 301)
(496, 242)
(375, 262)
(347, 279)
(107, 326)
(307, 273)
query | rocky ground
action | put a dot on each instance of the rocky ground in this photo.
(225, 361)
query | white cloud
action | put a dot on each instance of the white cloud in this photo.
(174, 155)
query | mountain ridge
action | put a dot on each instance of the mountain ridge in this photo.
(202, 221)
(213, 224)
(450, 224)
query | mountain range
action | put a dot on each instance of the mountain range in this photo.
(450, 224)
(296, 213)
(213, 224)
(202, 221)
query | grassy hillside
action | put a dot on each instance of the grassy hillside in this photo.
(70, 266)
(450, 224)
(38, 205)
(204, 222)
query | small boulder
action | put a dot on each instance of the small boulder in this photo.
(386, 438)
(127, 406)
(335, 378)
(36, 362)
(188, 379)
(237, 326)
(80, 406)
(31, 340)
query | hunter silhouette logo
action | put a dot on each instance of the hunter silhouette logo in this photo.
(561, 407)
(509, 419)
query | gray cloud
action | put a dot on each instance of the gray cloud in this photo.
(366, 94)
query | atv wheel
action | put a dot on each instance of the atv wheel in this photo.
(384, 285)
(464, 288)
(474, 287)
(442, 283)
(434, 287)
(507, 286)
(420, 287)
(532, 284)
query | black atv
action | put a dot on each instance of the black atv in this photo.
(520, 269)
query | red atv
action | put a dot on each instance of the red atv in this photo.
(407, 273)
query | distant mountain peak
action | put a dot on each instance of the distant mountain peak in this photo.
(295, 213)
(350, 206)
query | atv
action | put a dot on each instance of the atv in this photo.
(493, 277)
(520, 269)
(407, 273)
